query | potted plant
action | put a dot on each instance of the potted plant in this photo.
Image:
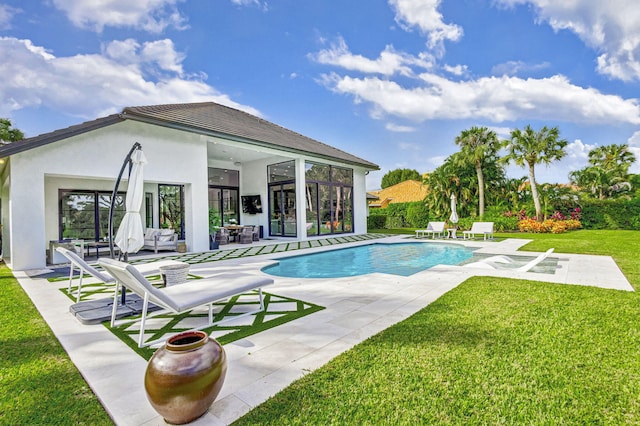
(214, 224)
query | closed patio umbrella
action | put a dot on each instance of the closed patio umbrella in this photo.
(453, 218)
(130, 236)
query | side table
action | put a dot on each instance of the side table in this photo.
(451, 233)
(174, 274)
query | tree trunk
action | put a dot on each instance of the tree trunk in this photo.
(534, 192)
(480, 189)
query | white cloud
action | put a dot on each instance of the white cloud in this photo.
(577, 151)
(457, 70)
(92, 85)
(634, 147)
(406, 146)
(6, 16)
(497, 99)
(148, 15)
(398, 128)
(424, 14)
(501, 132)
(261, 4)
(610, 27)
(388, 63)
(517, 67)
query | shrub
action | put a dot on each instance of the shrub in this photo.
(417, 215)
(376, 222)
(548, 226)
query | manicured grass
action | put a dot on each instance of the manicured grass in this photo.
(38, 382)
(492, 351)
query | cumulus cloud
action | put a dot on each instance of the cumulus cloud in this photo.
(634, 147)
(148, 15)
(424, 15)
(92, 85)
(457, 70)
(610, 27)
(261, 4)
(496, 99)
(389, 62)
(517, 67)
(6, 16)
(398, 128)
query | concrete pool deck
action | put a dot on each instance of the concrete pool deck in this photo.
(265, 363)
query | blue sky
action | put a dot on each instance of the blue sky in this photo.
(393, 82)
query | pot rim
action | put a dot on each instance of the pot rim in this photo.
(196, 338)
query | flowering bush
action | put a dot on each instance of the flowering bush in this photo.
(554, 226)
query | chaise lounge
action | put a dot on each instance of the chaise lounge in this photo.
(76, 262)
(493, 262)
(479, 228)
(183, 297)
(433, 228)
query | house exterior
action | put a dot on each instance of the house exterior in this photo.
(206, 164)
(403, 192)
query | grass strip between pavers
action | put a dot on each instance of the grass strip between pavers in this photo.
(224, 333)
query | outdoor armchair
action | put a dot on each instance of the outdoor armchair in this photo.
(160, 239)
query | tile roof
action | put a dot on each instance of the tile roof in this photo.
(403, 192)
(204, 118)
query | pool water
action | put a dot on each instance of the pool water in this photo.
(399, 259)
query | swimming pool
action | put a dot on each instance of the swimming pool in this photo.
(399, 259)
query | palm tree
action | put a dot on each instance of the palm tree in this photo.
(7, 133)
(478, 143)
(612, 157)
(530, 147)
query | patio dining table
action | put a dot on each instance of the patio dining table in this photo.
(233, 231)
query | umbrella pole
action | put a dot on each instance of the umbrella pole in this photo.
(114, 194)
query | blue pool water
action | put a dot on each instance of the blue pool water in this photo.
(399, 259)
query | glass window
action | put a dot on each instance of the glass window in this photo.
(224, 177)
(282, 171)
(85, 214)
(329, 203)
(171, 205)
(342, 175)
(317, 172)
(148, 209)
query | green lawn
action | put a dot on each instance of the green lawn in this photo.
(491, 351)
(38, 382)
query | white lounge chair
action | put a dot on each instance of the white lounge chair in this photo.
(83, 267)
(479, 228)
(183, 297)
(493, 261)
(433, 228)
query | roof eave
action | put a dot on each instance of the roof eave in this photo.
(128, 114)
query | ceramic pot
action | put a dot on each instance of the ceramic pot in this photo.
(184, 377)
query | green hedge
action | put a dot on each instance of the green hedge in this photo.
(610, 214)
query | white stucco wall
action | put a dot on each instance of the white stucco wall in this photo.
(92, 161)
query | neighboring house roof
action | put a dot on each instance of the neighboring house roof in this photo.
(403, 192)
(206, 118)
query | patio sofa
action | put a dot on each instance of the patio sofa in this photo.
(160, 239)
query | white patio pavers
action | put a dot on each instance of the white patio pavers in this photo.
(265, 363)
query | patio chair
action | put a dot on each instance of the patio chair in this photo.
(493, 262)
(433, 228)
(222, 236)
(256, 233)
(83, 267)
(160, 239)
(183, 297)
(245, 235)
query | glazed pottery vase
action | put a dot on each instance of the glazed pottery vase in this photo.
(184, 377)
